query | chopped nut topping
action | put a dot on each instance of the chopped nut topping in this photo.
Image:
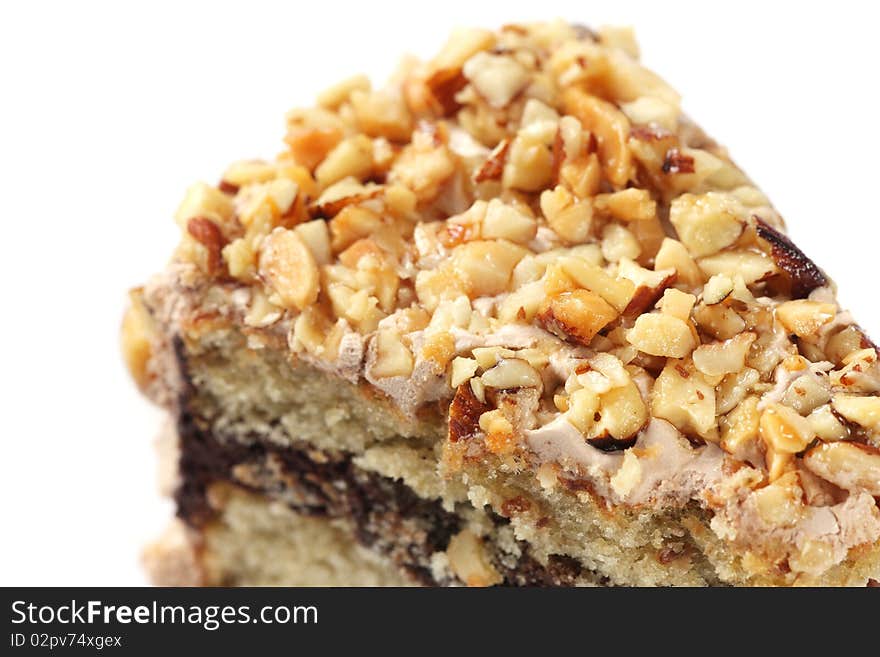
(511, 373)
(682, 396)
(528, 225)
(848, 465)
(708, 223)
(393, 358)
(497, 78)
(577, 315)
(784, 430)
(507, 222)
(804, 318)
(864, 411)
(290, 268)
(137, 337)
(723, 358)
(661, 335)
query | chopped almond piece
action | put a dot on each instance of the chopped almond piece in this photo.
(661, 335)
(708, 223)
(683, 397)
(674, 255)
(577, 315)
(616, 291)
(785, 430)
(848, 465)
(289, 267)
(723, 357)
(805, 318)
(864, 411)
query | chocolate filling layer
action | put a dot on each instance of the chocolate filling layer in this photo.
(387, 516)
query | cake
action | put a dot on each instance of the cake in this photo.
(511, 319)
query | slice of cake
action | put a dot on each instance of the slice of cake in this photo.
(511, 319)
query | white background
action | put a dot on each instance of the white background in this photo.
(109, 111)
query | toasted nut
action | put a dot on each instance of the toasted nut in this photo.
(484, 266)
(631, 204)
(722, 358)
(435, 285)
(334, 96)
(529, 164)
(423, 166)
(488, 357)
(647, 110)
(851, 466)
(864, 411)
(342, 194)
(628, 475)
(844, 342)
(804, 275)
(382, 114)
(683, 397)
(650, 285)
(315, 236)
(752, 266)
(511, 373)
(240, 257)
(805, 318)
(860, 372)
(469, 562)
(262, 312)
(523, 303)
(661, 335)
(784, 430)
(393, 358)
(825, 424)
(309, 332)
(619, 243)
(352, 157)
(208, 234)
(359, 307)
(202, 200)
(674, 255)
(507, 222)
(583, 404)
(719, 321)
(497, 78)
(351, 224)
(611, 128)
(289, 267)
(734, 388)
(739, 429)
(500, 438)
(708, 223)
(540, 119)
(676, 303)
(462, 370)
(311, 134)
(137, 337)
(577, 315)
(778, 463)
(622, 414)
(616, 291)
(247, 172)
(780, 503)
(806, 393)
(717, 289)
(569, 218)
(493, 167)
(463, 43)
